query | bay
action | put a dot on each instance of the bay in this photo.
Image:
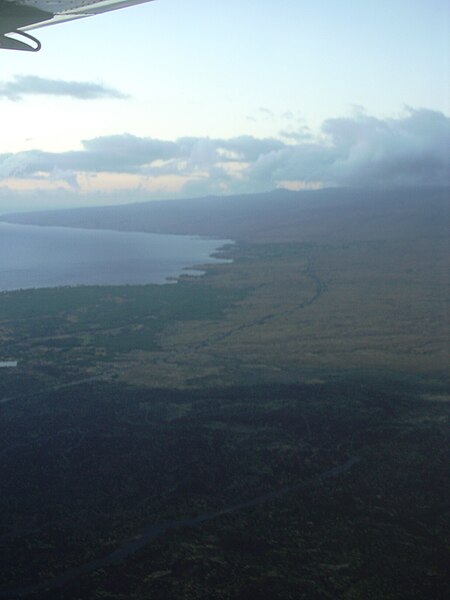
(35, 256)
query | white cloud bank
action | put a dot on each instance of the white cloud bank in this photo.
(361, 150)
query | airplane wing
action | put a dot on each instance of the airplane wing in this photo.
(18, 16)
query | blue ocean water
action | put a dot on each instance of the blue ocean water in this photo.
(35, 257)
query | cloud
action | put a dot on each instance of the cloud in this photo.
(266, 112)
(410, 150)
(131, 154)
(26, 85)
(360, 150)
(301, 134)
(365, 151)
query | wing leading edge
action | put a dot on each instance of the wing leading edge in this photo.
(17, 16)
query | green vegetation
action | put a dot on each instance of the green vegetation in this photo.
(67, 325)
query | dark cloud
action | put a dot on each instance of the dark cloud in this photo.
(114, 154)
(26, 85)
(364, 151)
(361, 150)
(410, 150)
(131, 154)
(122, 153)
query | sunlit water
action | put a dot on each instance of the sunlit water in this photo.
(35, 257)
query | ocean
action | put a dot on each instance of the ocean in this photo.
(36, 257)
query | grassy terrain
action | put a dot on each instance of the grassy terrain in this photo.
(60, 335)
(279, 312)
(311, 308)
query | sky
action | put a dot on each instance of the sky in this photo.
(178, 98)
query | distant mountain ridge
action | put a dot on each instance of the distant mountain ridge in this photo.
(280, 215)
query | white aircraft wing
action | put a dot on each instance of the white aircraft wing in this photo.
(18, 16)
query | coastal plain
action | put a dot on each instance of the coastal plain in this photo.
(324, 340)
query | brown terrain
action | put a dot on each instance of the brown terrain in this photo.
(333, 279)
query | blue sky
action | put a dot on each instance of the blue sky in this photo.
(175, 98)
